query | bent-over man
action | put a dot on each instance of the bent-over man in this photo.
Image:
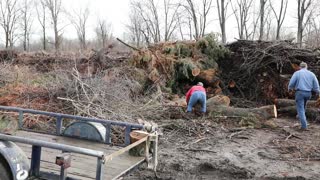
(197, 94)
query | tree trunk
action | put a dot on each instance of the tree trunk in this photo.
(278, 33)
(222, 19)
(56, 36)
(299, 33)
(312, 114)
(218, 100)
(44, 39)
(207, 76)
(262, 4)
(283, 103)
(261, 113)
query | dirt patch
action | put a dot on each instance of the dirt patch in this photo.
(234, 153)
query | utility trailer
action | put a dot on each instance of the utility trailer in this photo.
(80, 148)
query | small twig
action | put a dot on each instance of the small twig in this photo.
(198, 140)
(196, 150)
(288, 137)
(238, 129)
(226, 117)
(235, 133)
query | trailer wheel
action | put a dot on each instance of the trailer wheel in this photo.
(5, 170)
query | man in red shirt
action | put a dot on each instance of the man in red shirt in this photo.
(197, 94)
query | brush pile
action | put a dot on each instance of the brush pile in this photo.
(174, 66)
(261, 70)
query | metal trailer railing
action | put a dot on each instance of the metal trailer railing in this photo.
(152, 161)
(61, 117)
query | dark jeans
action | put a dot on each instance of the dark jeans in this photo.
(301, 101)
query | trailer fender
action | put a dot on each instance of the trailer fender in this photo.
(16, 158)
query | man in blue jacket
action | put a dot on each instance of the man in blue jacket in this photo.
(303, 82)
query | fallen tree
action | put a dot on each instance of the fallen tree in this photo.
(261, 113)
(312, 113)
(281, 103)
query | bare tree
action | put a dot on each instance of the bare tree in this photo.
(135, 26)
(262, 18)
(171, 18)
(199, 16)
(304, 15)
(193, 16)
(148, 12)
(222, 12)
(104, 32)
(41, 14)
(241, 12)
(27, 20)
(10, 14)
(55, 7)
(250, 33)
(79, 21)
(146, 22)
(268, 23)
(180, 26)
(280, 16)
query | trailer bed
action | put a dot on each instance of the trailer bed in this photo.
(82, 166)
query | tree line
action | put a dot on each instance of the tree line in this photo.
(153, 21)
(189, 19)
(20, 18)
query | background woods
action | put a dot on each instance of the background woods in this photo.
(62, 26)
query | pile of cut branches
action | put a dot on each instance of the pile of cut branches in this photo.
(261, 69)
(176, 65)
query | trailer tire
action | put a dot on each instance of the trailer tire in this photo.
(5, 170)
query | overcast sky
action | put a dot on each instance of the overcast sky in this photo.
(114, 11)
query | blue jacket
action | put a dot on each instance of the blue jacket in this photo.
(304, 80)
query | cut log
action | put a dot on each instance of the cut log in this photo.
(263, 113)
(291, 102)
(232, 84)
(208, 77)
(312, 114)
(134, 137)
(218, 100)
(195, 72)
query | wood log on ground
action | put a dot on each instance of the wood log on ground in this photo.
(250, 117)
(218, 100)
(264, 112)
(312, 113)
(280, 103)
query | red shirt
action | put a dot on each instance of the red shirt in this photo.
(193, 89)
